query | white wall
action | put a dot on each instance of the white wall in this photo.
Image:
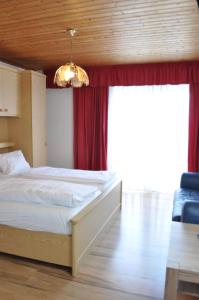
(60, 127)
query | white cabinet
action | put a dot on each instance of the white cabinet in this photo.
(38, 96)
(1, 94)
(28, 132)
(10, 92)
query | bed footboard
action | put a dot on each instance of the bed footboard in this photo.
(89, 222)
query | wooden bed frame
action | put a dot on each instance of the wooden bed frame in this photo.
(66, 250)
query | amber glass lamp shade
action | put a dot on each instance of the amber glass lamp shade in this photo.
(70, 74)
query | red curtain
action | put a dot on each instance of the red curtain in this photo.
(90, 128)
(138, 74)
(90, 106)
(193, 153)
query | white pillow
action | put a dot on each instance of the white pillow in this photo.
(13, 162)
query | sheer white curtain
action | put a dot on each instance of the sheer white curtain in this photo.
(148, 135)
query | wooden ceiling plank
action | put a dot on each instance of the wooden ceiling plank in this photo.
(36, 30)
(119, 37)
(119, 48)
(33, 32)
(42, 15)
(51, 9)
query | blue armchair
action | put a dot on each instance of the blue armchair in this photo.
(186, 199)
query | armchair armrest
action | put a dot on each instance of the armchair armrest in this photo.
(190, 181)
(190, 212)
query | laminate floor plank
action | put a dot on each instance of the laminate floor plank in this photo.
(127, 259)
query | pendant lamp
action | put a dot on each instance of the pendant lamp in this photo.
(70, 73)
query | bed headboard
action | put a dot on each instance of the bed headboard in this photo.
(5, 146)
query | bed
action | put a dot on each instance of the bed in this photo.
(62, 249)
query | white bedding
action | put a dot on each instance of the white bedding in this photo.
(48, 217)
(49, 192)
(72, 175)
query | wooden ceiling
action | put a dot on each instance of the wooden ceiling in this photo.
(33, 32)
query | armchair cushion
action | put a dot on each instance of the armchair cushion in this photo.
(190, 181)
(190, 212)
(188, 192)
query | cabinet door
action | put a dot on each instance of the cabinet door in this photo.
(39, 119)
(2, 113)
(11, 89)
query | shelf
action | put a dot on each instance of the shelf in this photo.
(6, 144)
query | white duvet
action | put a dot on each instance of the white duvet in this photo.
(73, 175)
(48, 192)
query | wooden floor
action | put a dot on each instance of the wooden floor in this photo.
(127, 262)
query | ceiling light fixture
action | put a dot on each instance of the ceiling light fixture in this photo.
(70, 73)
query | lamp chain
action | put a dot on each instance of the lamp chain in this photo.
(71, 48)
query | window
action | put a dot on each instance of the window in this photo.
(148, 135)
